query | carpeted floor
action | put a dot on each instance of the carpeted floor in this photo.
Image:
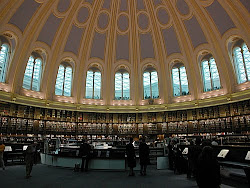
(45, 176)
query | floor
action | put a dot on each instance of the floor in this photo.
(52, 177)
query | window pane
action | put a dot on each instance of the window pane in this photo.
(37, 75)
(89, 85)
(246, 54)
(118, 86)
(126, 86)
(154, 85)
(3, 61)
(240, 70)
(184, 81)
(176, 81)
(206, 76)
(97, 85)
(68, 82)
(59, 81)
(214, 74)
(28, 73)
(146, 84)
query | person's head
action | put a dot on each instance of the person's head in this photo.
(1, 142)
(197, 141)
(131, 139)
(206, 143)
(207, 153)
(83, 140)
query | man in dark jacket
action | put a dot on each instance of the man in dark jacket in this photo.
(208, 169)
(130, 151)
(85, 154)
(144, 156)
(29, 159)
(193, 154)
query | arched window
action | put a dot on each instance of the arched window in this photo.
(93, 84)
(180, 82)
(122, 85)
(32, 75)
(241, 56)
(150, 84)
(64, 80)
(211, 78)
(4, 57)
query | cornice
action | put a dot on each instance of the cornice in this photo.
(36, 102)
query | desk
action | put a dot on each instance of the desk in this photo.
(101, 163)
(239, 165)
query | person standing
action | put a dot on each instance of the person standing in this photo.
(29, 159)
(208, 169)
(171, 155)
(85, 154)
(2, 147)
(144, 156)
(130, 151)
(193, 155)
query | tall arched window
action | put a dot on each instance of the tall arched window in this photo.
(64, 80)
(122, 85)
(150, 84)
(180, 82)
(93, 84)
(32, 75)
(211, 78)
(241, 56)
(4, 57)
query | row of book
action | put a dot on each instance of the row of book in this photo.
(226, 110)
(13, 125)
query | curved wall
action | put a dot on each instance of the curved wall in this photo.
(113, 33)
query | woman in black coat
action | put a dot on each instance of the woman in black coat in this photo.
(130, 151)
(208, 169)
(144, 156)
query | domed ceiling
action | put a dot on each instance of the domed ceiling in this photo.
(123, 34)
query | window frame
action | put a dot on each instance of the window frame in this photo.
(6, 59)
(239, 44)
(122, 72)
(208, 59)
(150, 70)
(35, 56)
(179, 65)
(94, 70)
(65, 66)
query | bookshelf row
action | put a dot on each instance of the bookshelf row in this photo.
(13, 125)
(36, 113)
